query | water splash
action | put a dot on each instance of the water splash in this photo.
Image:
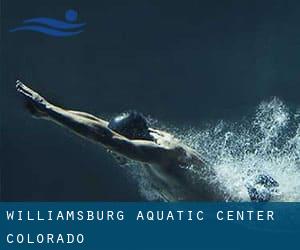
(267, 142)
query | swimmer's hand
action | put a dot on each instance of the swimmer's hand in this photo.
(35, 103)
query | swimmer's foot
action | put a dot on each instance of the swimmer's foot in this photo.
(34, 103)
(263, 188)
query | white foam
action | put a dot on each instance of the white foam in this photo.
(268, 142)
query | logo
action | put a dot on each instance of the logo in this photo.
(53, 27)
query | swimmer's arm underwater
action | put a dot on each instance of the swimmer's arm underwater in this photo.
(95, 129)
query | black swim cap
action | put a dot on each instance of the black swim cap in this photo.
(132, 125)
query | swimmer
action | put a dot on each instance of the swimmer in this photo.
(129, 136)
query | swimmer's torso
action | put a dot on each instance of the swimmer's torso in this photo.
(180, 183)
(177, 179)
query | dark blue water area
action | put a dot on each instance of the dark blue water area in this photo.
(183, 64)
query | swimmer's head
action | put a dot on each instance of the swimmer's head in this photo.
(132, 125)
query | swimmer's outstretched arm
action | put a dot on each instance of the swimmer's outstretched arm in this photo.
(95, 129)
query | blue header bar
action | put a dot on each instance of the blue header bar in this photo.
(117, 225)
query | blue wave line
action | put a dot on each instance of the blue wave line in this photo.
(53, 23)
(47, 31)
